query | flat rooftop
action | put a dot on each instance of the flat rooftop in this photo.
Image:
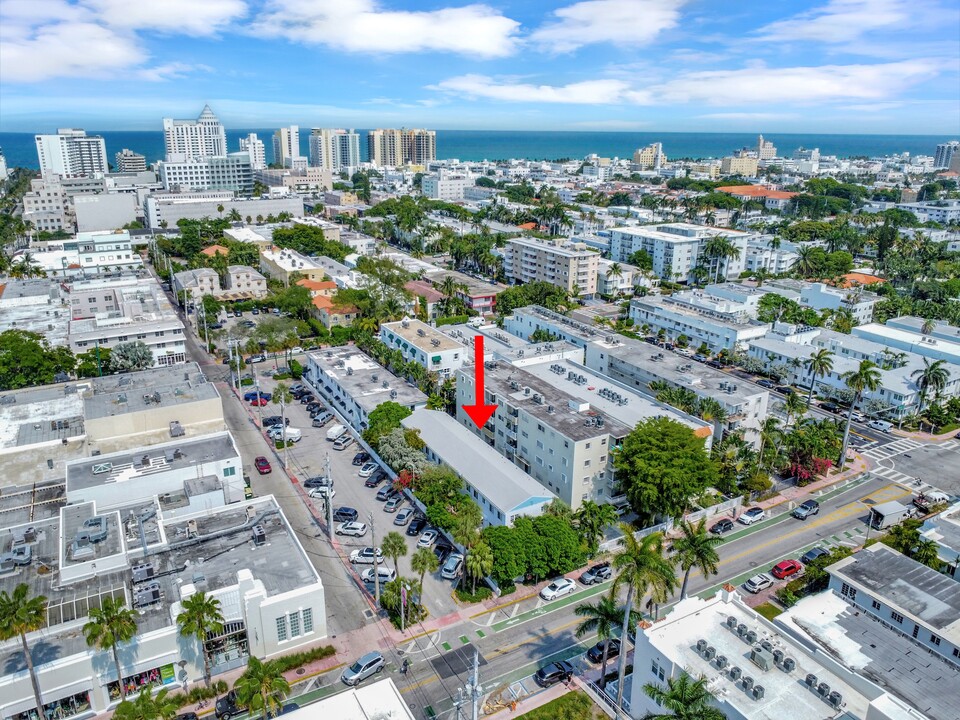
(363, 379)
(423, 336)
(689, 307)
(378, 701)
(475, 286)
(35, 306)
(495, 339)
(786, 695)
(500, 481)
(905, 584)
(160, 386)
(684, 232)
(863, 645)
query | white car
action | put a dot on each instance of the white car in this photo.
(427, 538)
(364, 556)
(322, 492)
(858, 416)
(386, 575)
(558, 588)
(296, 350)
(751, 515)
(356, 529)
(760, 581)
(368, 469)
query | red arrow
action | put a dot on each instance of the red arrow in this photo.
(479, 412)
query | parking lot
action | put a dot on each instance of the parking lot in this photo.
(309, 457)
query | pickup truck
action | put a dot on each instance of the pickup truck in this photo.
(924, 502)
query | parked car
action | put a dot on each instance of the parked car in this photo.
(416, 525)
(598, 573)
(273, 420)
(442, 551)
(370, 664)
(322, 492)
(317, 481)
(361, 458)
(298, 388)
(314, 406)
(452, 567)
(595, 654)
(253, 394)
(751, 515)
(322, 418)
(830, 407)
(394, 503)
(760, 581)
(259, 402)
(386, 492)
(354, 529)
(722, 526)
(345, 514)
(806, 509)
(374, 480)
(553, 673)
(858, 416)
(428, 538)
(262, 465)
(364, 556)
(812, 554)
(403, 517)
(386, 575)
(307, 399)
(256, 359)
(784, 390)
(700, 357)
(343, 442)
(715, 364)
(368, 469)
(786, 568)
(255, 311)
(769, 384)
(557, 589)
(228, 706)
(238, 313)
(296, 350)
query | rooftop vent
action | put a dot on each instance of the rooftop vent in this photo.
(758, 692)
(735, 673)
(349, 371)
(421, 332)
(789, 664)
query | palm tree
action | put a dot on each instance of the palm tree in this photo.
(602, 618)
(394, 547)
(262, 687)
(147, 706)
(927, 552)
(200, 616)
(794, 406)
(685, 698)
(109, 625)
(720, 249)
(865, 377)
(818, 364)
(21, 614)
(642, 567)
(929, 325)
(932, 376)
(805, 264)
(592, 519)
(696, 548)
(424, 561)
(479, 562)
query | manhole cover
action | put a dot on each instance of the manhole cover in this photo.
(368, 613)
(300, 671)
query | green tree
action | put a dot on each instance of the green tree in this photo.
(591, 520)
(865, 378)
(93, 363)
(684, 698)
(384, 419)
(562, 542)
(602, 618)
(131, 356)
(661, 465)
(424, 561)
(199, 617)
(819, 363)
(642, 567)
(27, 358)
(394, 547)
(509, 553)
(262, 687)
(147, 706)
(696, 548)
(927, 552)
(21, 614)
(479, 562)
(110, 625)
(933, 376)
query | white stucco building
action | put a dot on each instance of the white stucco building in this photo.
(425, 345)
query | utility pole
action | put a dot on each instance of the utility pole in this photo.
(256, 382)
(473, 687)
(330, 498)
(376, 567)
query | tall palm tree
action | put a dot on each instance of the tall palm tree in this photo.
(394, 547)
(696, 548)
(685, 698)
(602, 618)
(932, 376)
(200, 615)
(794, 406)
(642, 567)
(109, 625)
(262, 687)
(21, 614)
(720, 249)
(865, 377)
(592, 519)
(147, 706)
(479, 562)
(927, 552)
(819, 363)
(805, 264)
(424, 561)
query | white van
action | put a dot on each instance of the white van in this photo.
(292, 434)
(335, 432)
(881, 425)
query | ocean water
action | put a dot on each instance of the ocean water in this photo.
(20, 150)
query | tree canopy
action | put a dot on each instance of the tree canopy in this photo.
(383, 419)
(27, 358)
(310, 240)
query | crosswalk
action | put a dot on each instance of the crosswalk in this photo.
(893, 475)
(882, 452)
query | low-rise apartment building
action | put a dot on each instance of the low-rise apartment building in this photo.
(424, 345)
(160, 208)
(243, 282)
(819, 296)
(935, 346)
(194, 284)
(477, 295)
(558, 262)
(281, 263)
(445, 185)
(502, 490)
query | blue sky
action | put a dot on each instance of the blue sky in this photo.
(847, 66)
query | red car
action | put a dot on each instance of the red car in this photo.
(786, 568)
(263, 465)
(262, 402)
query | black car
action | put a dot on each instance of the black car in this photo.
(307, 399)
(314, 407)
(595, 654)
(784, 390)
(237, 313)
(770, 384)
(317, 482)
(228, 706)
(715, 364)
(722, 526)
(598, 573)
(345, 514)
(442, 550)
(187, 716)
(275, 420)
(810, 555)
(360, 458)
(215, 326)
(374, 480)
(416, 526)
(553, 673)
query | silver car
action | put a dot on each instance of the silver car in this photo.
(370, 664)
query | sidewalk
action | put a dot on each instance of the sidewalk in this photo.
(858, 466)
(925, 436)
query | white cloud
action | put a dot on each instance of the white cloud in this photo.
(170, 71)
(588, 92)
(187, 17)
(842, 21)
(746, 116)
(623, 22)
(365, 26)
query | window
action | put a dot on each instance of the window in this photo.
(229, 472)
(603, 458)
(896, 617)
(657, 671)
(307, 615)
(956, 652)
(281, 628)
(849, 592)
(540, 444)
(539, 460)
(563, 477)
(295, 624)
(875, 605)
(586, 463)
(539, 427)
(916, 631)
(935, 640)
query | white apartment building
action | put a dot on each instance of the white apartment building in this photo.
(910, 341)
(775, 261)
(129, 161)
(502, 490)
(107, 251)
(196, 283)
(677, 248)
(610, 283)
(941, 211)
(445, 185)
(559, 262)
(47, 206)
(336, 150)
(719, 323)
(253, 146)
(231, 172)
(281, 263)
(160, 208)
(243, 281)
(820, 296)
(424, 345)
(944, 153)
(755, 669)
(286, 146)
(71, 152)
(194, 139)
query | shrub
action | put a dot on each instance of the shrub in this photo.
(244, 382)
(296, 369)
(295, 660)
(452, 320)
(464, 594)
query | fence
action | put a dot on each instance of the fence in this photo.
(663, 527)
(721, 508)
